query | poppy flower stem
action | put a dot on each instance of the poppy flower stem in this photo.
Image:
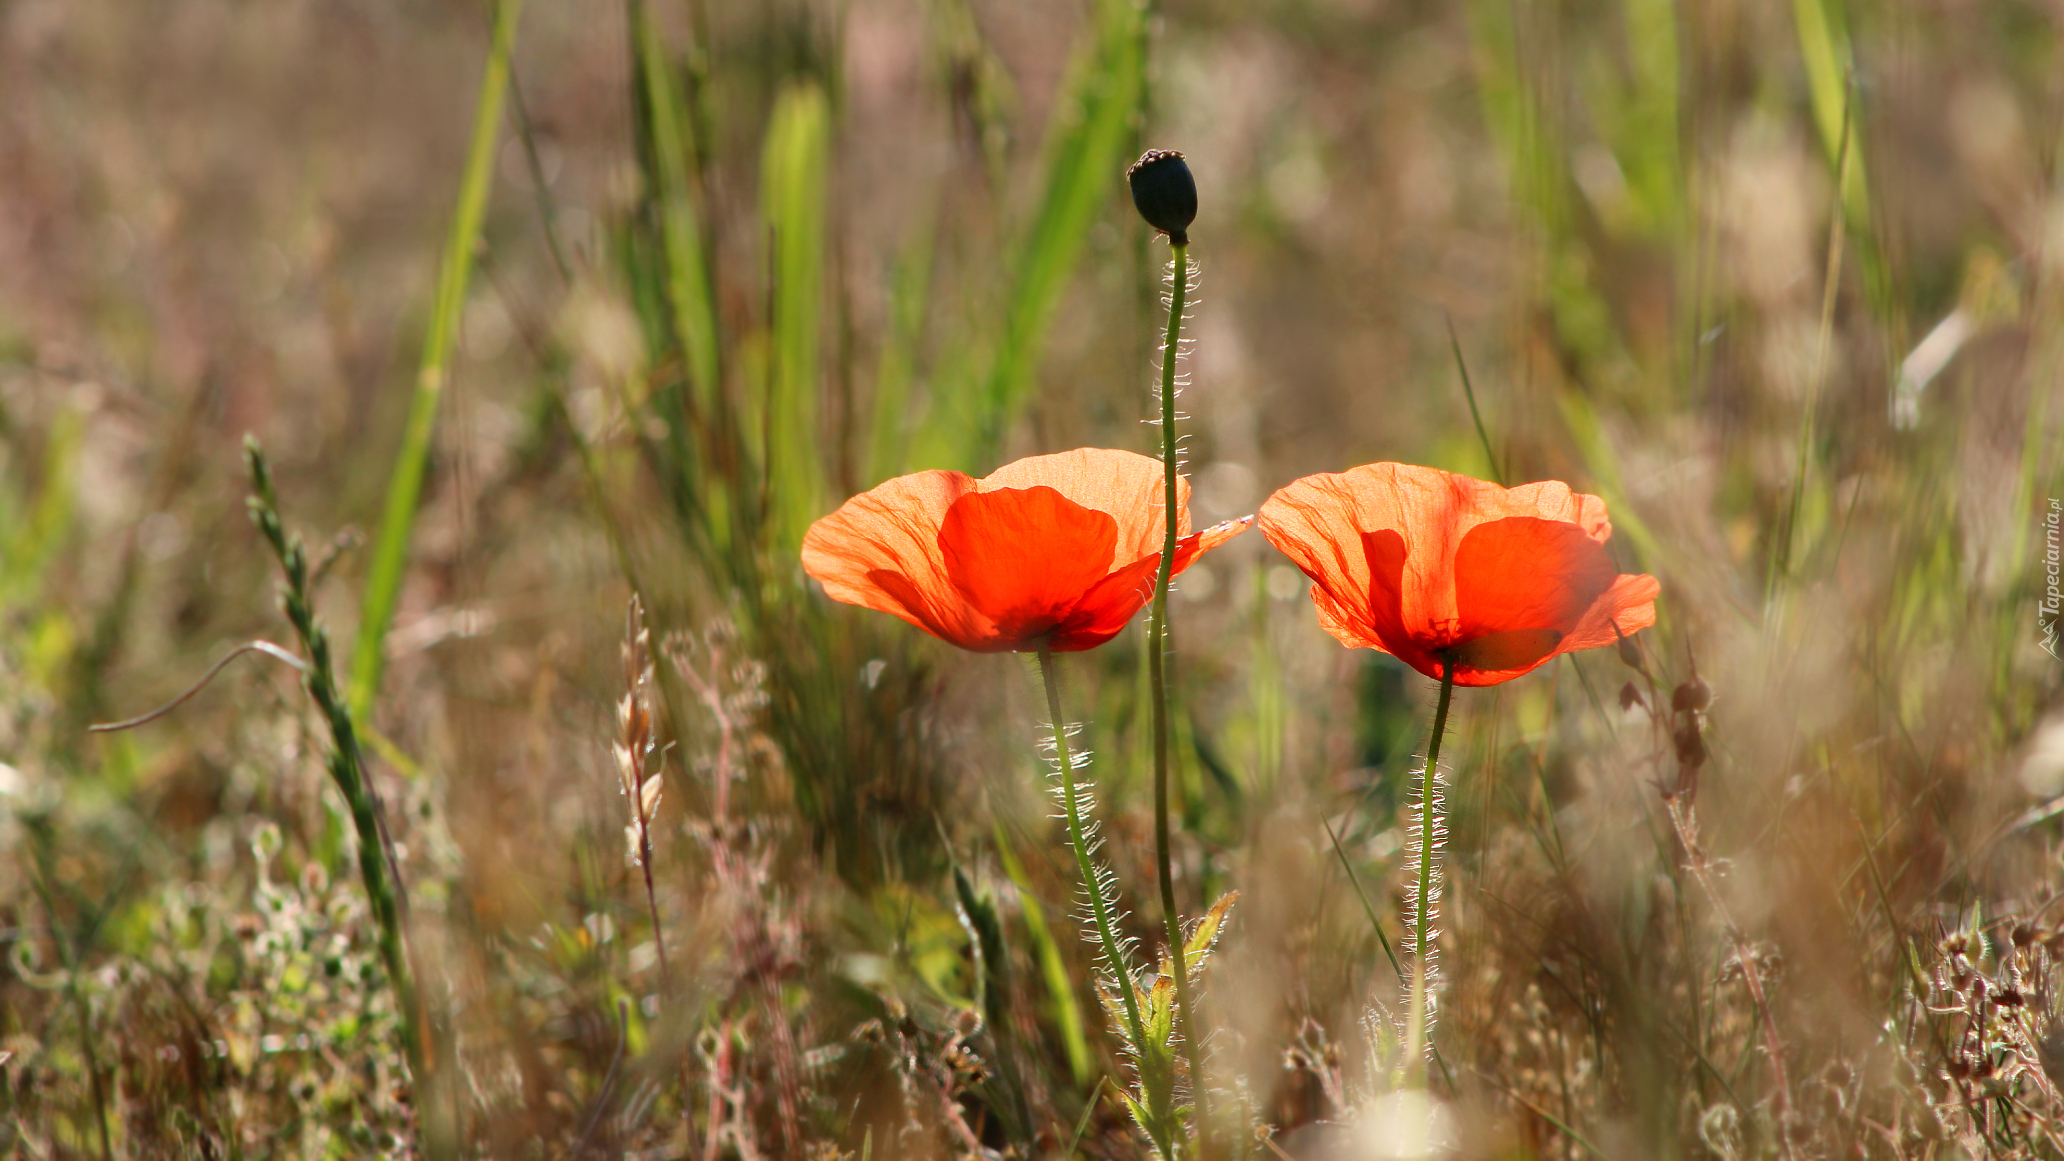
(1420, 1018)
(1099, 904)
(1157, 677)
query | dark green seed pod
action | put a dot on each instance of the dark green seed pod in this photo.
(1165, 193)
(1630, 653)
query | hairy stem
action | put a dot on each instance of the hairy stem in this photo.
(1098, 907)
(1157, 676)
(1419, 1018)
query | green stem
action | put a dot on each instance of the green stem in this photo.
(1419, 1017)
(1099, 908)
(1157, 676)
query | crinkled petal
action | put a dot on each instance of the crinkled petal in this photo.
(1526, 573)
(1059, 547)
(1129, 487)
(880, 550)
(1025, 558)
(1629, 604)
(1113, 602)
(1432, 586)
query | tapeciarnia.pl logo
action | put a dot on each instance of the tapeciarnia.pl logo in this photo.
(2052, 603)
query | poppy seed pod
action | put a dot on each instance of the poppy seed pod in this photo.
(1165, 193)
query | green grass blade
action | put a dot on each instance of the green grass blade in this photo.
(909, 295)
(1060, 986)
(30, 540)
(1824, 44)
(687, 274)
(795, 170)
(1084, 157)
(390, 549)
(683, 313)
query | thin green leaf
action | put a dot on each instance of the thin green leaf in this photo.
(794, 173)
(687, 274)
(1084, 158)
(405, 487)
(1060, 986)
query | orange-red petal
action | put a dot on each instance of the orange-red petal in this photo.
(1127, 486)
(1524, 572)
(1107, 608)
(1060, 547)
(880, 550)
(1025, 558)
(1441, 569)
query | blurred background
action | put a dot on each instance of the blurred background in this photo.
(1779, 279)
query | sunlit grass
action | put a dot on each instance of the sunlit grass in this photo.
(1687, 251)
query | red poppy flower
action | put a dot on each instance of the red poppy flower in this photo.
(1061, 549)
(1443, 570)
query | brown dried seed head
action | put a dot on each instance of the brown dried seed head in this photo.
(1629, 696)
(1693, 696)
(1691, 746)
(2024, 934)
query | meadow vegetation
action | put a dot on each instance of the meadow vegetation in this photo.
(559, 813)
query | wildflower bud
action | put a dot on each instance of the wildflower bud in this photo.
(2023, 935)
(1629, 696)
(1694, 695)
(1630, 653)
(1165, 193)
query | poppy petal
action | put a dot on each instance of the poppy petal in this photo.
(1196, 544)
(1313, 521)
(880, 550)
(1024, 558)
(1506, 651)
(1387, 554)
(1107, 608)
(1628, 604)
(1525, 573)
(1127, 486)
